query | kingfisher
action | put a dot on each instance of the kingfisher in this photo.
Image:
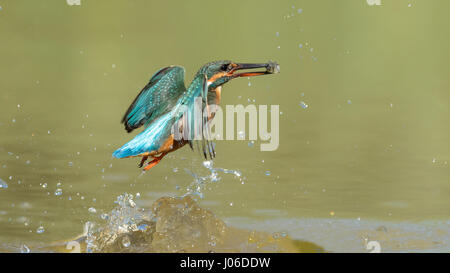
(165, 103)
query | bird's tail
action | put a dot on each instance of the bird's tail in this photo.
(148, 140)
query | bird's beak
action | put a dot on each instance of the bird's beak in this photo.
(269, 68)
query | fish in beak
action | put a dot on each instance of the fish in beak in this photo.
(269, 68)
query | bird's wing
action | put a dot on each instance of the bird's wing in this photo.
(156, 98)
(196, 129)
(183, 116)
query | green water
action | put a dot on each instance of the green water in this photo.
(372, 144)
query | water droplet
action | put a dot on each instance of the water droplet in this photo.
(268, 173)
(92, 210)
(104, 216)
(40, 230)
(208, 164)
(3, 184)
(241, 135)
(300, 46)
(126, 241)
(142, 227)
(24, 249)
(231, 204)
(175, 169)
(44, 185)
(303, 105)
(58, 192)
(349, 101)
(434, 160)
(299, 11)
(251, 143)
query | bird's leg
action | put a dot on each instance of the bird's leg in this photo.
(155, 161)
(144, 158)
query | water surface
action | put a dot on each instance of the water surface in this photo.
(364, 129)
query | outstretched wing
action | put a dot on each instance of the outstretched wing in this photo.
(156, 98)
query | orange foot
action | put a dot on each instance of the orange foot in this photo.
(153, 163)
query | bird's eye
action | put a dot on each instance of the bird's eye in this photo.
(224, 67)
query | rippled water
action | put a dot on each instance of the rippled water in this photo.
(363, 125)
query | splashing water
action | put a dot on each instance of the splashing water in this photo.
(125, 218)
(173, 224)
(200, 182)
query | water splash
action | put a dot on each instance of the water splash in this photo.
(123, 219)
(197, 187)
(174, 224)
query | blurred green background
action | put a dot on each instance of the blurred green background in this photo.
(373, 142)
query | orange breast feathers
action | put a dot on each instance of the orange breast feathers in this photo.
(217, 97)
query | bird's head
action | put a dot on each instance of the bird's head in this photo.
(220, 72)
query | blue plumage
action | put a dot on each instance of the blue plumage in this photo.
(165, 101)
(158, 130)
(148, 140)
(156, 98)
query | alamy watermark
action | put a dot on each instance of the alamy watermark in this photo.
(374, 2)
(209, 122)
(73, 2)
(373, 246)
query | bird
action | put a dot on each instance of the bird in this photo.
(165, 103)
